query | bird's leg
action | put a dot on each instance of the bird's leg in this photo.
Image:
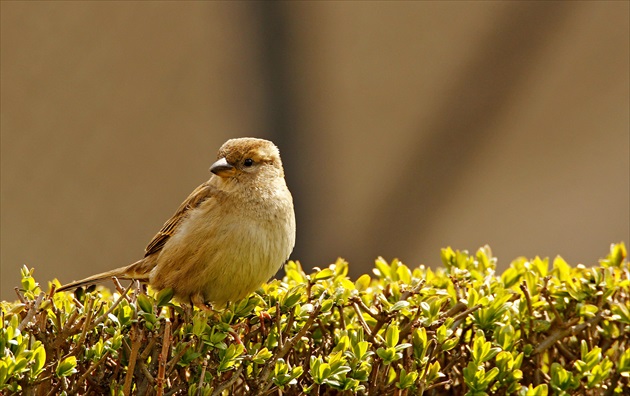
(233, 331)
(236, 337)
(199, 301)
(189, 310)
(262, 317)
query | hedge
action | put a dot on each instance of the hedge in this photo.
(541, 327)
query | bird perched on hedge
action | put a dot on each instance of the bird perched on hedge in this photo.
(227, 238)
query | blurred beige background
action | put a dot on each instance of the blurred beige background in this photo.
(404, 127)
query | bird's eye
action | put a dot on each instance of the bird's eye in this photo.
(248, 162)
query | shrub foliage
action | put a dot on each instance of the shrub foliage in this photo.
(541, 327)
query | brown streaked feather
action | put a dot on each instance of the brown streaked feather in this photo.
(199, 195)
(141, 269)
(124, 273)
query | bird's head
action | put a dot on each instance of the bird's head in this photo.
(247, 158)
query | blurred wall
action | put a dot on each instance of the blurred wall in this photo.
(404, 127)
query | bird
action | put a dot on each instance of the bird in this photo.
(229, 236)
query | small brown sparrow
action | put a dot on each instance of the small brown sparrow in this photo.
(227, 238)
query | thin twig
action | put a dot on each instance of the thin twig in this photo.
(145, 371)
(413, 291)
(20, 297)
(145, 354)
(88, 317)
(51, 292)
(561, 333)
(291, 342)
(166, 343)
(452, 361)
(118, 286)
(54, 389)
(364, 324)
(31, 312)
(42, 380)
(545, 293)
(564, 351)
(111, 309)
(93, 366)
(458, 307)
(175, 389)
(412, 324)
(278, 324)
(77, 303)
(135, 347)
(202, 377)
(342, 322)
(173, 363)
(228, 383)
(70, 321)
(367, 309)
(373, 376)
(467, 312)
(530, 317)
(288, 345)
(432, 386)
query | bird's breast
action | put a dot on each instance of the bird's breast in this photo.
(227, 253)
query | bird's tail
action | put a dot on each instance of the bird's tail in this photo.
(130, 272)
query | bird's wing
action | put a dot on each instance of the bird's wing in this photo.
(199, 195)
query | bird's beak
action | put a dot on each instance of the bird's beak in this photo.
(222, 168)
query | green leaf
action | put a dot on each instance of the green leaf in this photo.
(561, 379)
(391, 335)
(624, 364)
(433, 372)
(540, 390)
(510, 277)
(482, 349)
(391, 375)
(66, 367)
(419, 339)
(294, 272)
(262, 356)
(4, 369)
(164, 296)
(399, 305)
(327, 305)
(361, 350)
(39, 359)
(20, 364)
(489, 377)
(293, 296)
(199, 325)
(443, 333)
(145, 303)
(449, 344)
(540, 266)
(229, 357)
(382, 269)
(616, 257)
(389, 355)
(363, 282)
(28, 283)
(621, 312)
(588, 310)
(406, 380)
(506, 337)
(324, 274)
(317, 370)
